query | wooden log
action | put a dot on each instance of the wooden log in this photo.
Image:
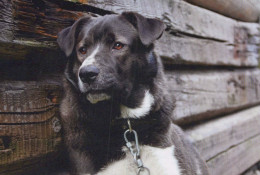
(248, 11)
(29, 123)
(218, 135)
(29, 28)
(28, 145)
(201, 95)
(178, 14)
(189, 50)
(31, 101)
(32, 34)
(237, 159)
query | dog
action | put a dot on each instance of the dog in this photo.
(116, 111)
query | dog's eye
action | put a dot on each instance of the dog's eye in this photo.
(83, 50)
(118, 46)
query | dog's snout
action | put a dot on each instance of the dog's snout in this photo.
(88, 74)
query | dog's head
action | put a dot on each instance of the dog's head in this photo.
(110, 55)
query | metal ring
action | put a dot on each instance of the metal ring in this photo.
(141, 169)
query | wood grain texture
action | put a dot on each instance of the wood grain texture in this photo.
(31, 27)
(188, 50)
(31, 101)
(34, 26)
(29, 123)
(205, 94)
(218, 135)
(178, 14)
(248, 11)
(236, 159)
(28, 146)
(212, 33)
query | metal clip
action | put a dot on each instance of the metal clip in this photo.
(135, 150)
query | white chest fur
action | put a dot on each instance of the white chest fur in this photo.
(140, 111)
(160, 161)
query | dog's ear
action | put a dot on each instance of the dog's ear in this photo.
(149, 29)
(66, 37)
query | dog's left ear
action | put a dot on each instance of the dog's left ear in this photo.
(66, 38)
(149, 29)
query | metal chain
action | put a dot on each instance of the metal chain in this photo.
(135, 150)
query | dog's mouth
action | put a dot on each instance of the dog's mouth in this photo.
(95, 97)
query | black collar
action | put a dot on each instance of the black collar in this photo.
(140, 124)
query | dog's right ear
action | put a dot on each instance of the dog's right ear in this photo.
(66, 37)
(149, 29)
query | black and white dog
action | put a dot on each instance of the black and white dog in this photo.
(113, 75)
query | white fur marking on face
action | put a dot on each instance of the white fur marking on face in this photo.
(91, 58)
(158, 160)
(140, 111)
(88, 61)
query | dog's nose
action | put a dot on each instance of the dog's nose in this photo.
(88, 74)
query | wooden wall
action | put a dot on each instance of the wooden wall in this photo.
(211, 62)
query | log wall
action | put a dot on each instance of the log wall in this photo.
(211, 63)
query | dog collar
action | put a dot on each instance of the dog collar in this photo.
(139, 124)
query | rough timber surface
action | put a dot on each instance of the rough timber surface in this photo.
(178, 14)
(237, 159)
(29, 28)
(29, 123)
(33, 27)
(248, 11)
(183, 49)
(203, 94)
(218, 135)
(28, 102)
(25, 147)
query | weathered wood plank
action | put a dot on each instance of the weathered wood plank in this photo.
(29, 28)
(25, 142)
(29, 123)
(248, 11)
(30, 101)
(36, 23)
(178, 14)
(189, 50)
(187, 19)
(209, 93)
(236, 159)
(218, 135)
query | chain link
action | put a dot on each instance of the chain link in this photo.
(135, 150)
